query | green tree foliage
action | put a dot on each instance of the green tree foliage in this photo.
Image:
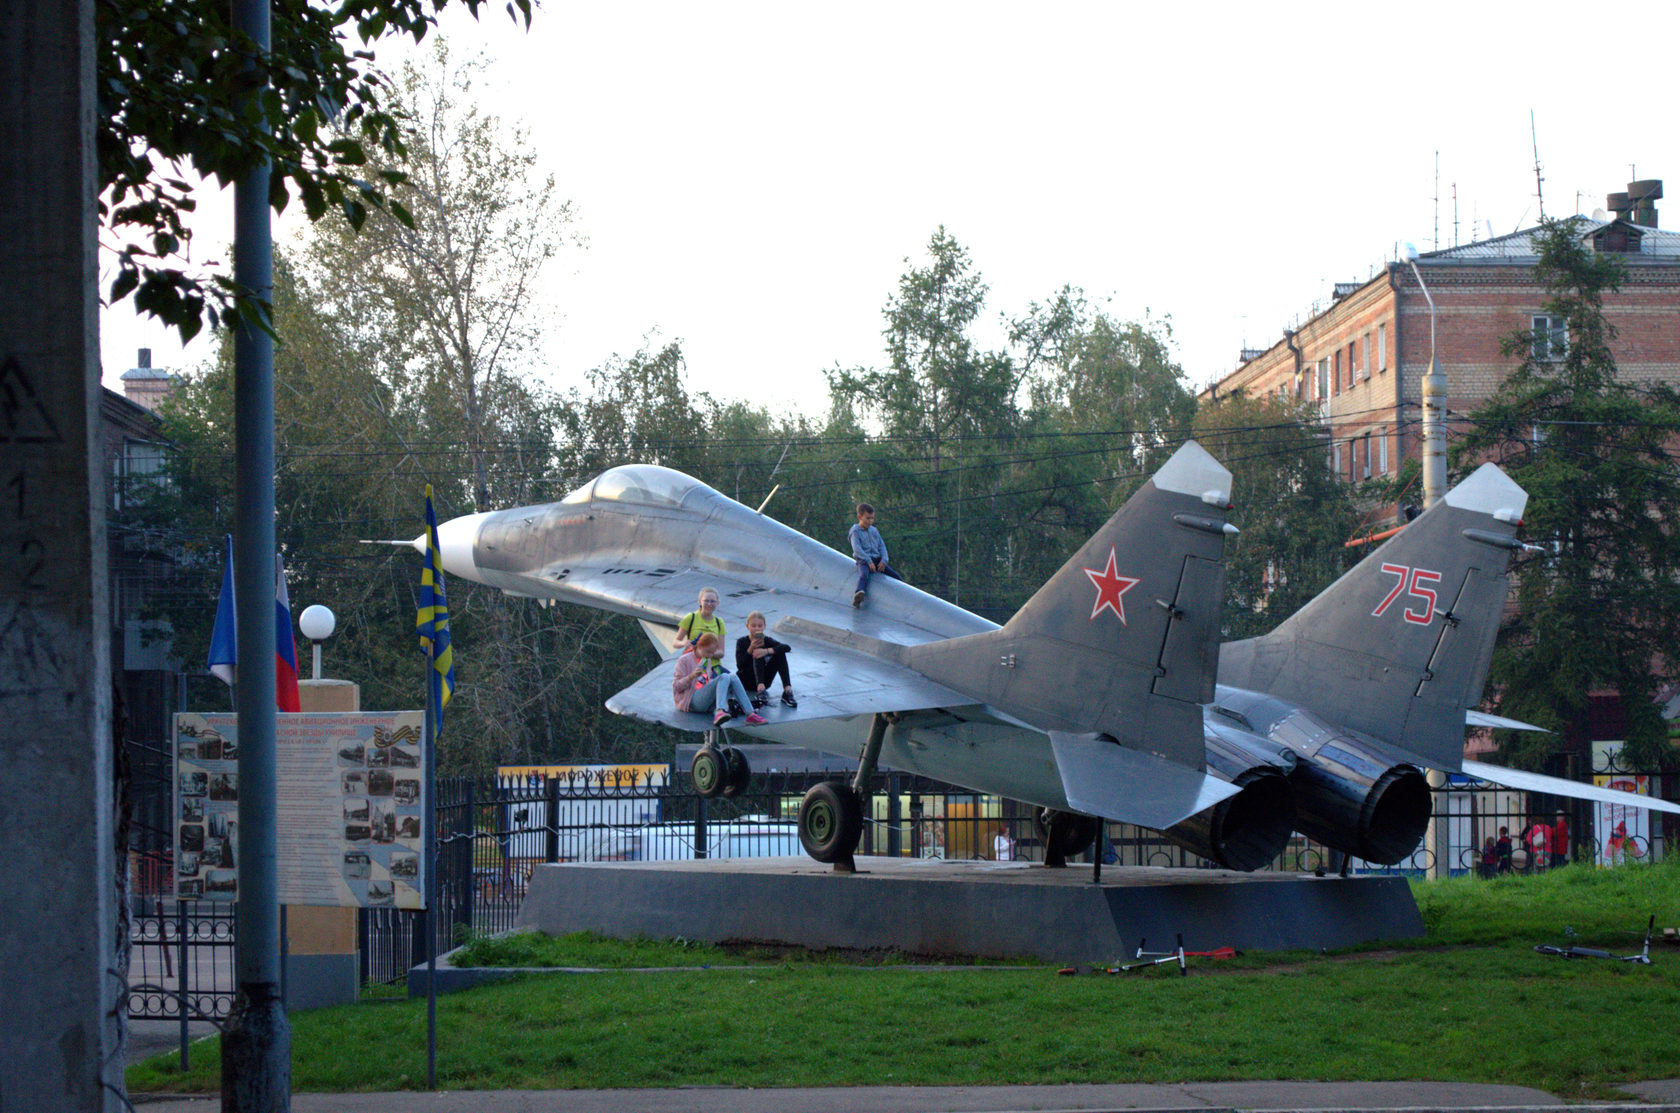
(174, 82)
(447, 293)
(948, 410)
(996, 463)
(1598, 601)
(1109, 404)
(1295, 515)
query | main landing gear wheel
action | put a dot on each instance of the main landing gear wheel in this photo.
(830, 822)
(1065, 835)
(709, 770)
(737, 771)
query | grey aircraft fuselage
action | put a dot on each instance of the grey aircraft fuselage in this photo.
(642, 541)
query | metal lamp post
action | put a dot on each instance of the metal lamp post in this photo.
(1434, 486)
(317, 623)
(1434, 404)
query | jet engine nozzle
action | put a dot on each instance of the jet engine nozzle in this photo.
(1251, 828)
(1246, 831)
(1349, 798)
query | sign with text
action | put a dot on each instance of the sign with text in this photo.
(351, 792)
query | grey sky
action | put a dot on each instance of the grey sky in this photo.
(751, 177)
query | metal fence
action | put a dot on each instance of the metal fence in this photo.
(494, 833)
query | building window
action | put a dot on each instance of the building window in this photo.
(1323, 379)
(1336, 458)
(1382, 452)
(1365, 359)
(1382, 348)
(1336, 373)
(1550, 338)
(1366, 454)
(1350, 365)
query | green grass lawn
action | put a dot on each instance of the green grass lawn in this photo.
(1472, 1002)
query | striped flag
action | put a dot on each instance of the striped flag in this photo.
(224, 637)
(286, 696)
(432, 621)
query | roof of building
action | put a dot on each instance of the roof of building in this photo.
(1519, 245)
(138, 373)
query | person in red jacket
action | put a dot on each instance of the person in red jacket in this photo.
(1560, 841)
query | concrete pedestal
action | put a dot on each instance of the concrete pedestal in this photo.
(978, 908)
(321, 961)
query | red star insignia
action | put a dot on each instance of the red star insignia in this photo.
(1110, 587)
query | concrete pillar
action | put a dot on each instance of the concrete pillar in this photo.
(321, 962)
(60, 993)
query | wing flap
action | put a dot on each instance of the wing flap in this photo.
(1103, 778)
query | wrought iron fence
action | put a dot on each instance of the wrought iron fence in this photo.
(181, 962)
(492, 834)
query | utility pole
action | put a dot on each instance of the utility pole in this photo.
(257, 1045)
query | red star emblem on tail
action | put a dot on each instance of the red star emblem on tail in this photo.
(1110, 587)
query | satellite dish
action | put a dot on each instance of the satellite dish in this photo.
(1598, 214)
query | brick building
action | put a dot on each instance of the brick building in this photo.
(1362, 360)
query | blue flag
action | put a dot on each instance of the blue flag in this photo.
(432, 621)
(224, 652)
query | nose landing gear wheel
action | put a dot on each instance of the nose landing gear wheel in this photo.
(830, 822)
(737, 771)
(709, 771)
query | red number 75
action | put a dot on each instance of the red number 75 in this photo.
(1411, 581)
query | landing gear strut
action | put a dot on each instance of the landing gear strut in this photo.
(1065, 834)
(831, 815)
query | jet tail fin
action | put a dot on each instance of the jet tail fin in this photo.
(1401, 644)
(1123, 640)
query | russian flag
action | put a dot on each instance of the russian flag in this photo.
(285, 646)
(224, 640)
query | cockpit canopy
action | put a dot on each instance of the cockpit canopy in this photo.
(640, 484)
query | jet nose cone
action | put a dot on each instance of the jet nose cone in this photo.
(456, 540)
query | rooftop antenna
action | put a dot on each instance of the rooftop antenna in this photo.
(1539, 182)
(1455, 213)
(1435, 244)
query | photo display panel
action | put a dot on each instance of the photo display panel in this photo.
(351, 795)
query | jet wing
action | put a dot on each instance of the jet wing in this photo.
(1557, 786)
(1474, 718)
(833, 681)
(656, 594)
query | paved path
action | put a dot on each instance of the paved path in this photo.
(1413, 1097)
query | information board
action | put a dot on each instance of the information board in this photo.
(350, 797)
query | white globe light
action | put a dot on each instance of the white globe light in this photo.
(317, 623)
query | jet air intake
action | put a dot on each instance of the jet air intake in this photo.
(1250, 829)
